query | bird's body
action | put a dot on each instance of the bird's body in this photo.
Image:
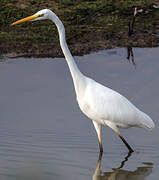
(102, 105)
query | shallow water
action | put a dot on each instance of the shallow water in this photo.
(44, 135)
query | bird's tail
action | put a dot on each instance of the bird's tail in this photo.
(147, 122)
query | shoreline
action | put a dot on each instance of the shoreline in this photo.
(79, 49)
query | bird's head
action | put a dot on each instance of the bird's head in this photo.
(40, 15)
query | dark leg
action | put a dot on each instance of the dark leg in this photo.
(101, 148)
(127, 145)
(100, 144)
(114, 127)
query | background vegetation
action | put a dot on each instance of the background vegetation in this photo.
(90, 25)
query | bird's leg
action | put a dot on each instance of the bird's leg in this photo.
(114, 127)
(98, 130)
(100, 143)
(125, 142)
(99, 161)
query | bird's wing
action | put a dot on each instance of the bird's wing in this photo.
(103, 103)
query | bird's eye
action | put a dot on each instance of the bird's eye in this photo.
(40, 15)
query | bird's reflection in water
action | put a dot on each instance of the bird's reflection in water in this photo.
(130, 56)
(119, 174)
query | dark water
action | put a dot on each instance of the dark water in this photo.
(43, 134)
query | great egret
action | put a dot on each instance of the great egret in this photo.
(99, 103)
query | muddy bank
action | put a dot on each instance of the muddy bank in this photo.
(90, 26)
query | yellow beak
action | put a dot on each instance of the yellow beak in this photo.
(29, 18)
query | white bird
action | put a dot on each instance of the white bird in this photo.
(102, 105)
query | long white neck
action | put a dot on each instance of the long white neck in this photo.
(77, 76)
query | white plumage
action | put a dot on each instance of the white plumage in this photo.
(99, 103)
(105, 105)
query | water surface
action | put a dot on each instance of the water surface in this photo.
(44, 135)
